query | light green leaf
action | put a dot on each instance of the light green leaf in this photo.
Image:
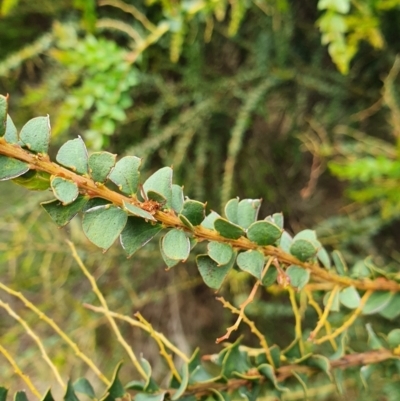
(365, 374)
(137, 211)
(303, 249)
(323, 256)
(137, 233)
(377, 302)
(65, 191)
(34, 180)
(286, 242)
(82, 385)
(11, 134)
(125, 175)
(350, 298)
(220, 252)
(100, 165)
(176, 245)
(234, 361)
(149, 397)
(208, 222)
(70, 393)
(278, 219)
(11, 168)
(168, 261)
(186, 222)
(184, 383)
(392, 309)
(62, 215)
(340, 6)
(177, 198)
(231, 210)
(373, 341)
(335, 304)
(3, 114)
(298, 276)
(73, 155)
(194, 211)
(268, 371)
(212, 274)
(228, 229)
(35, 134)
(394, 338)
(263, 233)
(251, 261)
(103, 224)
(340, 263)
(161, 182)
(247, 212)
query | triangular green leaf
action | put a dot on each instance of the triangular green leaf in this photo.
(285, 242)
(161, 182)
(235, 361)
(11, 134)
(220, 252)
(303, 249)
(373, 340)
(115, 389)
(194, 211)
(3, 394)
(150, 385)
(377, 302)
(177, 198)
(137, 211)
(212, 274)
(137, 233)
(103, 224)
(184, 383)
(11, 168)
(186, 222)
(298, 276)
(100, 165)
(20, 396)
(176, 245)
(47, 397)
(231, 210)
(35, 134)
(278, 219)
(61, 214)
(65, 191)
(339, 263)
(126, 174)
(208, 222)
(82, 385)
(247, 212)
(263, 233)
(323, 256)
(392, 309)
(73, 155)
(228, 229)
(350, 298)
(252, 262)
(70, 393)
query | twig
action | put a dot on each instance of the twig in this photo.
(297, 317)
(103, 302)
(109, 23)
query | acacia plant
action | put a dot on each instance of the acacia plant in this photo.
(115, 204)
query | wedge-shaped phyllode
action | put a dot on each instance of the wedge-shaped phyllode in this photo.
(168, 261)
(103, 224)
(264, 232)
(11, 168)
(212, 274)
(65, 191)
(176, 245)
(194, 211)
(247, 212)
(209, 220)
(137, 233)
(252, 262)
(61, 214)
(35, 134)
(11, 133)
(161, 182)
(137, 211)
(228, 229)
(231, 210)
(298, 276)
(219, 252)
(177, 198)
(125, 175)
(100, 166)
(73, 155)
(3, 114)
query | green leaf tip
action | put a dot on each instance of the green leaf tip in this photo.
(35, 134)
(303, 249)
(73, 155)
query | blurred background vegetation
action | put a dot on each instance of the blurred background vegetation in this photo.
(297, 103)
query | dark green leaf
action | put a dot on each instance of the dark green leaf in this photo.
(64, 190)
(194, 211)
(176, 245)
(3, 394)
(350, 298)
(11, 168)
(150, 385)
(35, 134)
(320, 362)
(11, 134)
(298, 276)
(184, 383)
(303, 249)
(73, 155)
(270, 277)
(116, 389)
(34, 180)
(392, 309)
(377, 302)
(82, 385)
(137, 211)
(103, 224)
(20, 396)
(264, 233)
(161, 182)
(227, 229)
(234, 361)
(177, 198)
(100, 165)
(247, 212)
(126, 174)
(268, 371)
(137, 233)
(208, 222)
(186, 222)
(62, 215)
(70, 393)
(3, 114)
(220, 252)
(212, 274)
(251, 261)
(231, 210)
(47, 397)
